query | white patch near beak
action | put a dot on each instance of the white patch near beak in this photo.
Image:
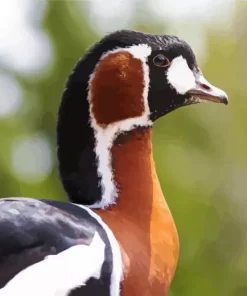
(180, 76)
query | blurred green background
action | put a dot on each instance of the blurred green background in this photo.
(200, 151)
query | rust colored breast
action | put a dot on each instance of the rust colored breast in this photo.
(141, 220)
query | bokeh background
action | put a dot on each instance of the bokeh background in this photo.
(200, 151)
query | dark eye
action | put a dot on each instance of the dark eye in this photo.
(161, 61)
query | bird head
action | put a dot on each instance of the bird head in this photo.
(125, 81)
(143, 77)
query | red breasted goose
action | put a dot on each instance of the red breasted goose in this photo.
(117, 236)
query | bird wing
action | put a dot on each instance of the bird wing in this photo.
(48, 248)
(52, 276)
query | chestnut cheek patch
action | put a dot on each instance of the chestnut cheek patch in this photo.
(117, 88)
(118, 102)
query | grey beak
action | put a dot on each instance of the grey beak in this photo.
(204, 91)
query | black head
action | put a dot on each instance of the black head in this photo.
(175, 79)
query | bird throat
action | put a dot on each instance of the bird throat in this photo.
(141, 219)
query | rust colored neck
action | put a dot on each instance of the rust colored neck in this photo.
(134, 174)
(141, 220)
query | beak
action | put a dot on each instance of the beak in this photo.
(204, 91)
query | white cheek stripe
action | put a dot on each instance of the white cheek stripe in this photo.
(104, 137)
(180, 76)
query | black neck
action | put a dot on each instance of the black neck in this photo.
(75, 138)
(77, 161)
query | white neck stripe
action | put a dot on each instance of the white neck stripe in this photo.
(104, 137)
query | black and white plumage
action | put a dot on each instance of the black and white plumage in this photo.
(80, 248)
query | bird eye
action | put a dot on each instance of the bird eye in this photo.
(161, 61)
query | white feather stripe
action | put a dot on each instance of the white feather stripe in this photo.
(104, 137)
(58, 274)
(180, 76)
(117, 264)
